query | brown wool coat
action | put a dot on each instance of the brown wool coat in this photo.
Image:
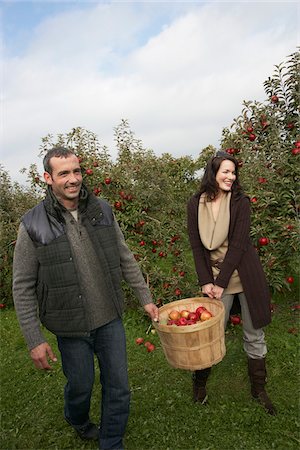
(241, 255)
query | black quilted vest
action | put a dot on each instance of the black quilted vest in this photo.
(61, 302)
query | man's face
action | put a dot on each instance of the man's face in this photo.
(65, 180)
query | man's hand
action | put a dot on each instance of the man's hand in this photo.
(40, 356)
(152, 311)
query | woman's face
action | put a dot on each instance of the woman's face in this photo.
(226, 175)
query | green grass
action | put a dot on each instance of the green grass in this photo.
(163, 415)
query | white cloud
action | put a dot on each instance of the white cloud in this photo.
(179, 81)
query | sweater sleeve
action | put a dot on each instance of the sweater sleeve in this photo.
(131, 271)
(25, 272)
(203, 269)
(238, 241)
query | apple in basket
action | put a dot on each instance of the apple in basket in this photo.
(174, 315)
(171, 322)
(184, 313)
(193, 316)
(200, 310)
(182, 322)
(205, 315)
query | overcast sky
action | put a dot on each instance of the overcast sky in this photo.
(178, 71)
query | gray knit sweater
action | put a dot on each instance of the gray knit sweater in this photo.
(99, 310)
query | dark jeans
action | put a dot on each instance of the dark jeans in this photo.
(108, 343)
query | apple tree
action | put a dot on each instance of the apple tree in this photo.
(15, 200)
(266, 140)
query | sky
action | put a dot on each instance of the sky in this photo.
(177, 71)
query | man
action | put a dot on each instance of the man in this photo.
(69, 261)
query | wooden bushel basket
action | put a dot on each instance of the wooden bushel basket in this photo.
(193, 347)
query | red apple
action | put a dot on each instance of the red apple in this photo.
(200, 310)
(89, 171)
(2, 305)
(253, 200)
(250, 129)
(297, 144)
(107, 180)
(290, 280)
(262, 180)
(181, 322)
(274, 99)
(95, 164)
(230, 151)
(235, 320)
(139, 341)
(178, 292)
(142, 243)
(191, 322)
(147, 343)
(295, 151)
(252, 137)
(150, 348)
(174, 314)
(96, 191)
(193, 316)
(118, 205)
(171, 322)
(264, 241)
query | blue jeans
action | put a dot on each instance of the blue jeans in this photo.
(108, 343)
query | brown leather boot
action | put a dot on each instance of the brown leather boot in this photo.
(199, 385)
(258, 378)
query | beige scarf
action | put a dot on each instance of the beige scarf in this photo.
(213, 232)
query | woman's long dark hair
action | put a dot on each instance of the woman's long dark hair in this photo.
(209, 184)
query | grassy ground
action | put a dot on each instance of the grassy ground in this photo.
(162, 414)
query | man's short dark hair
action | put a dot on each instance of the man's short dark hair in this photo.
(59, 152)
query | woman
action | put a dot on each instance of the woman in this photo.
(227, 265)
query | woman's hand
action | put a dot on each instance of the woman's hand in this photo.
(218, 292)
(208, 289)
